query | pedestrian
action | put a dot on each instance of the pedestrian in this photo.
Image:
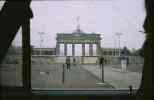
(123, 63)
(68, 62)
(101, 61)
(127, 61)
(74, 61)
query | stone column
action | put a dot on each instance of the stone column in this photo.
(90, 49)
(65, 49)
(98, 48)
(83, 49)
(73, 49)
(57, 49)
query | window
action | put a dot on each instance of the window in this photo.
(49, 72)
(73, 22)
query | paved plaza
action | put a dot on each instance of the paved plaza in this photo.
(50, 77)
(75, 78)
(116, 77)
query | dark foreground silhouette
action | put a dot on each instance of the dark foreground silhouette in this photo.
(14, 14)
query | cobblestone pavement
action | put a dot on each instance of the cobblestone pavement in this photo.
(114, 76)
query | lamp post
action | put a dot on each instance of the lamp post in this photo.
(115, 42)
(101, 64)
(118, 35)
(41, 41)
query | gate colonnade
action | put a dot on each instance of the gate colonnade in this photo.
(78, 38)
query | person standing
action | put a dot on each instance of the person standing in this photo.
(101, 63)
(123, 63)
(68, 62)
(74, 61)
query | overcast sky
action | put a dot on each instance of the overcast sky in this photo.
(105, 17)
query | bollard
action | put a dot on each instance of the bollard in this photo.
(63, 74)
(130, 90)
(102, 73)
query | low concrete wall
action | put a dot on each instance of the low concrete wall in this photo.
(90, 60)
(60, 59)
(78, 59)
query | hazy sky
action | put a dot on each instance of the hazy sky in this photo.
(106, 17)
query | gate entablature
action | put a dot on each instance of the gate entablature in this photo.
(78, 39)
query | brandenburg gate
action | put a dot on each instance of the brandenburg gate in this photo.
(78, 37)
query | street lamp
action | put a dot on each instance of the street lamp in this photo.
(115, 42)
(118, 35)
(101, 62)
(41, 41)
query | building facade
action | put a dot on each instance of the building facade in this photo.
(78, 37)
